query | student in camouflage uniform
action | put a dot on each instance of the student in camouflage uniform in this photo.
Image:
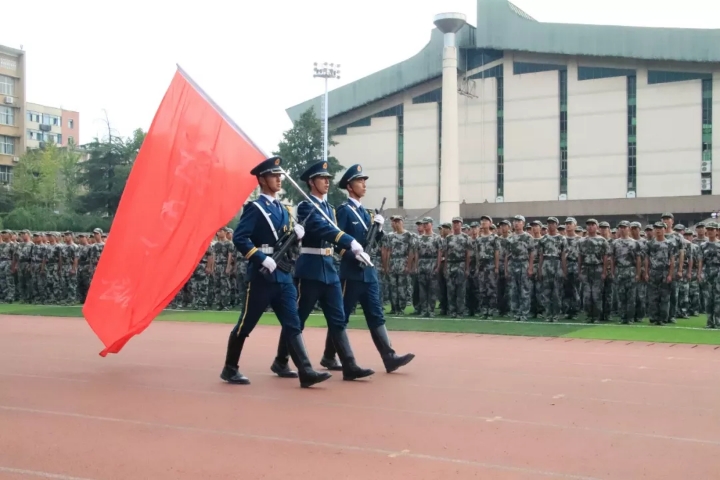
(420, 229)
(200, 280)
(472, 290)
(445, 230)
(429, 247)
(552, 268)
(687, 267)
(95, 251)
(660, 265)
(7, 282)
(691, 301)
(221, 248)
(519, 269)
(503, 292)
(608, 283)
(679, 258)
(487, 253)
(84, 268)
(23, 260)
(37, 270)
(641, 284)
(53, 287)
(699, 240)
(626, 258)
(593, 262)
(397, 262)
(68, 294)
(571, 298)
(536, 304)
(457, 248)
(711, 274)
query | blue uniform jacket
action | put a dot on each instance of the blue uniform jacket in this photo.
(319, 233)
(348, 221)
(253, 232)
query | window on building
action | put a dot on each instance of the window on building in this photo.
(71, 123)
(52, 120)
(658, 76)
(33, 117)
(632, 133)
(8, 64)
(58, 140)
(563, 96)
(71, 140)
(7, 115)
(5, 174)
(7, 145)
(7, 85)
(401, 160)
(500, 167)
(707, 115)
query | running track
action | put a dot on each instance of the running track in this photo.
(469, 406)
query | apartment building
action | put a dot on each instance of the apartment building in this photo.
(12, 109)
(50, 124)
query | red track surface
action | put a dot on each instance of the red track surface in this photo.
(468, 406)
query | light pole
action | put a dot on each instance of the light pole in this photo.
(326, 71)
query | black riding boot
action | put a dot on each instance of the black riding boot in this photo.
(230, 372)
(328, 360)
(351, 371)
(280, 365)
(308, 376)
(382, 342)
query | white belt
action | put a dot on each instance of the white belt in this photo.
(267, 250)
(326, 252)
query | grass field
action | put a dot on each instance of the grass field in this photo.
(685, 331)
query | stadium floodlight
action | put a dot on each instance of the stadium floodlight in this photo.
(326, 71)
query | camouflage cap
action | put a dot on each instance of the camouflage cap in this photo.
(668, 215)
(97, 230)
(648, 227)
(457, 220)
(4, 231)
(466, 226)
(528, 227)
(519, 218)
(536, 223)
(604, 225)
(25, 231)
(552, 219)
(711, 225)
(700, 225)
(426, 220)
(688, 233)
(504, 222)
(590, 221)
(36, 234)
(446, 225)
(493, 226)
(561, 228)
(679, 227)
(418, 221)
(486, 217)
(570, 220)
(623, 223)
(81, 235)
(474, 224)
(659, 225)
(544, 227)
(396, 217)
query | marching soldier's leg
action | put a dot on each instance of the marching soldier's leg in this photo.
(331, 301)
(236, 340)
(350, 301)
(284, 304)
(306, 294)
(370, 301)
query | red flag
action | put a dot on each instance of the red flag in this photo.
(190, 178)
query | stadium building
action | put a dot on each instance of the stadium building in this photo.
(552, 119)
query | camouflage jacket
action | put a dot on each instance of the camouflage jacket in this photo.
(520, 246)
(659, 255)
(592, 250)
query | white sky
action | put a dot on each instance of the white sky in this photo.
(253, 57)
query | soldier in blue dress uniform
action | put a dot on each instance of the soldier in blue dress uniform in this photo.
(263, 222)
(315, 273)
(361, 284)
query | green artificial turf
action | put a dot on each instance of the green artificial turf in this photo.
(685, 331)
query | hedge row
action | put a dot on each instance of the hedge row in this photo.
(41, 220)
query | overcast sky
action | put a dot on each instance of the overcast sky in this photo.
(254, 58)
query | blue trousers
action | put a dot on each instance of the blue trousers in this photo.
(282, 297)
(368, 294)
(310, 292)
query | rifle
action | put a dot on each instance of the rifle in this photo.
(371, 237)
(280, 250)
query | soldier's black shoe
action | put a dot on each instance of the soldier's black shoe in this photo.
(391, 360)
(350, 369)
(308, 376)
(331, 364)
(230, 372)
(233, 375)
(328, 359)
(280, 364)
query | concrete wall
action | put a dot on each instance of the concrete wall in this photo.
(532, 135)
(597, 137)
(375, 148)
(669, 133)
(421, 155)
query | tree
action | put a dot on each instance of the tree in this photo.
(106, 171)
(302, 146)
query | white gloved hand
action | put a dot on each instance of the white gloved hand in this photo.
(379, 219)
(299, 231)
(270, 264)
(356, 247)
(363, 258)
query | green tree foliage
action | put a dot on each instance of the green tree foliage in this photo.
(106, 171)
(302, 146)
